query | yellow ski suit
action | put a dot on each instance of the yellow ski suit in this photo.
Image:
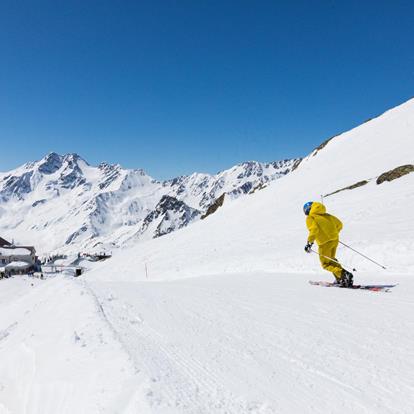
(324, 229)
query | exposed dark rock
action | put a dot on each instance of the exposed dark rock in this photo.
(323, 145)
(51, 164)
(72, 175)
(76, 234)
(259, 187)
(111, 173)
(17, 186)
(285, 165)
(72, 180)
(174, 214)
(395, 173)
(38, 202)
(243, 189)
(213, 207)
(296, 163)
(351, 187)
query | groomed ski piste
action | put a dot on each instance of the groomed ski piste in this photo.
(219, 317)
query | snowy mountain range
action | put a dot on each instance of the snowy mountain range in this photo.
(62, 202)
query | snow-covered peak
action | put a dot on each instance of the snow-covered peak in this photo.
(105, 166)
(50, 163)
(73, 158)
(136, 179)
(201, 190)
(54, 161)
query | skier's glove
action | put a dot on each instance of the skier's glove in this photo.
(308, 247)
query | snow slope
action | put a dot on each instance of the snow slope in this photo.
(266, 231)
(218, 317)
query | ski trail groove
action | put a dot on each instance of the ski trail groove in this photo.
(239, 344)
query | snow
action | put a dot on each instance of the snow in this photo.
(229, 343)
(59, 354)
(267, 343)
(18, 251)
(219, 318)
(18, 264)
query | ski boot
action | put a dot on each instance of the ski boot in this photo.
(347, 279)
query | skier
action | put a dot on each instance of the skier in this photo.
(324, 229)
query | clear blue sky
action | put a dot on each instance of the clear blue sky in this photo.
(180, 86)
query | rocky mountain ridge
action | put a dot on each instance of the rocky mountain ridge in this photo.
(62, 202)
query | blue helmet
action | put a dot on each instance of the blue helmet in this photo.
(307, 207)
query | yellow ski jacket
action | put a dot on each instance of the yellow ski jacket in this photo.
(322, 226)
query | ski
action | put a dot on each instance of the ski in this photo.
(372, 288)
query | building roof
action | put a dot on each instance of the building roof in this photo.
(17, 265)
(14, 251)
(4, 242)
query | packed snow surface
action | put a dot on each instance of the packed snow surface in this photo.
(219, 317)
(242, 343)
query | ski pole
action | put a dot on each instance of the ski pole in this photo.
(363, 255)
(330, 258)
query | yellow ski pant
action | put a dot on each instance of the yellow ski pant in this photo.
(328, 249)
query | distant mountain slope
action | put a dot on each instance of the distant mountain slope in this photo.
(62, 202)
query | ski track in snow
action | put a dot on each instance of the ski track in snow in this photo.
(57, 353)
(250, 343)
